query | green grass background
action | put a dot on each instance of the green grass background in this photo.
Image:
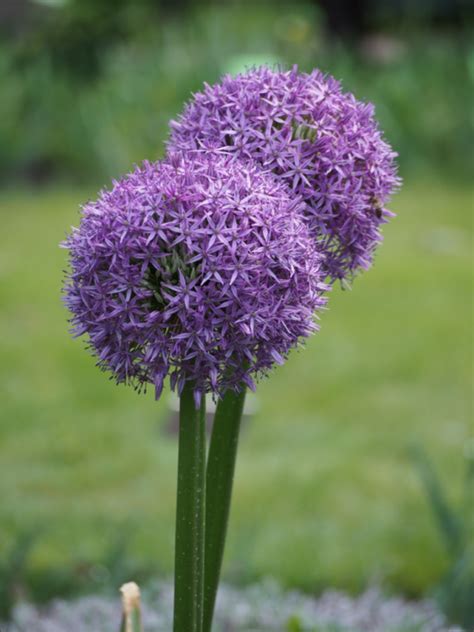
(325, 492)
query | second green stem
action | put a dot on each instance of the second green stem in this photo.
(219, 481)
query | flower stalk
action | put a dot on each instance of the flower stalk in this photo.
(190, 514)
(219, 481)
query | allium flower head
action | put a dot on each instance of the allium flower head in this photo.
(200, 268)
(323, 143)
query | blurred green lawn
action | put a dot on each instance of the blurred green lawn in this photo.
(325, 492)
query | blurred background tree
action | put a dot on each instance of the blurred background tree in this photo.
(77, 75)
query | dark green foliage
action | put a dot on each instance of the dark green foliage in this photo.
(13, 567)
(75, 34)
(456, 526)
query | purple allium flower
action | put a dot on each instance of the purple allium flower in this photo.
(325, 145)
(200, 268)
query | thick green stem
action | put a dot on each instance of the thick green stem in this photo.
(190, 515)
(219, 479)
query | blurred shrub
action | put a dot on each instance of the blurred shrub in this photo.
(74, 34)
(21, 578)
(456, 527)
(55, 124)
(12, 571)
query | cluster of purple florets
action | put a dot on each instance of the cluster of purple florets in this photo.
(323, 143)
(195, 268)
(210, 266)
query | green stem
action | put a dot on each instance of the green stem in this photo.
(190, 515)
(219, 479)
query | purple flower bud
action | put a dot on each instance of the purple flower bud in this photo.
(198, 268)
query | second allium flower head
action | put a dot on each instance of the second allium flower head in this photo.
(198, 267)
(323, 143)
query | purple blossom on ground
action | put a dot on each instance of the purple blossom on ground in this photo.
(200, 268)
(323, 143)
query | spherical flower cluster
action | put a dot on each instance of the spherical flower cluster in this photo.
(324, 144)
(200, 268)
